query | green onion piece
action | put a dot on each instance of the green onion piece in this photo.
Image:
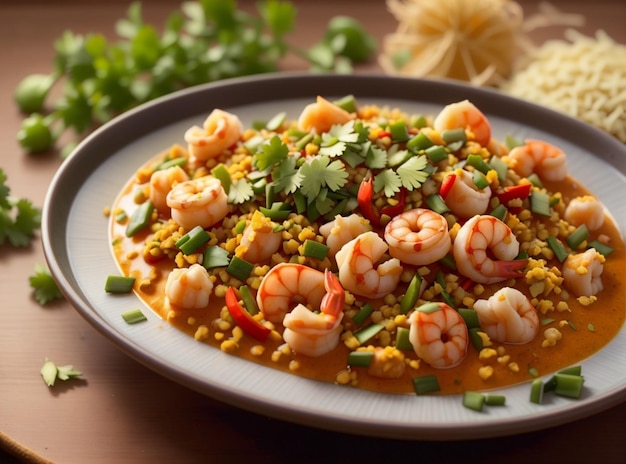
(536, 391)
(550, 385)
(473, 400)
(347, 103)
(495, 400)
(436, 153)
(499, 212)
(399, 158)
(365, 312)
(480, 180)
(193, 240)
(368, 332)
(449, 299)
(470, 317)
(500, 167)
(399, 131)
(568, 385)
(253, 144)
(540, 203)
(240, 226)
(140, 218)
(239, 268)
(535, 180)
(512, 142)
(302, 143)
(278, 212)
(419, 142)
(276, 121)
(402, 339)
(269, 195)
(221, 173)
(119, 284)
(172, 162)
(429, 307)
(600, 247)
(547, 320)
(454, 138)
(248, 300)
(572, 370)
(576, 238)
(419, 121)
(448, 261)
(409, 299)
(360, 358)
(437, 204)
(215, 256)
(338, 209)
(425, 384)
(476, 339)
(300, 201)
(559, 250)
(479, 163)
(134, 316)
(315, 249)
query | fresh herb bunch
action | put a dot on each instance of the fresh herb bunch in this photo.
(207, 40)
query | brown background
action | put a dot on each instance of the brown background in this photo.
(123, 412)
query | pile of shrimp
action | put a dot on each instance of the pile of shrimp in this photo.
(465, 257)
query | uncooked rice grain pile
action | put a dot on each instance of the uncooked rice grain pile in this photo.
(582, 76)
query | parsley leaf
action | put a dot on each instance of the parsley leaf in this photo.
(412, 174)
(271, 153)
(320, 172)
(19, 219)
(44, 286)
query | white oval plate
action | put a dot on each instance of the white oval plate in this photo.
(75, 239)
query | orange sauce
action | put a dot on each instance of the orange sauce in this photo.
(589, 328)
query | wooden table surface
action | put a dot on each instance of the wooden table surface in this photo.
(123, 412)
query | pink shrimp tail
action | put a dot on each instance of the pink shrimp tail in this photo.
(511, 269)
(333, 301)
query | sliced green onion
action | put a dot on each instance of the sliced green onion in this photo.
(476, 339)
(134, 316)
(172, 162)
(470, 317)
(248, 300)
(448, 261)
(193, 240)
(419, 142)
(550, 385)
(454, 138)
(425, 384)
(436, 203)
(436, 153)
(495, 400)
(215, 256)
(480, 180)
(477, 162)
(568, 385)
(399, 131)
(499, 212)
(402, 339)
(399, 158)
(411, 295)
(500, 167)
(512, 142)
(547, 320)
(540, 203)
(576, 238)
(300, 200)
(536, 391)
(368, 332)
(140, 218)
(419, 121)
(253, 143)
(449, 299)
(302, 143)
(429, 307)
(240, 226)
(221, 173)
(347, 103)
(473, 400)
(360, 358)
(600, 247)
(239, 268)
(276, 121)
(535, 180)
(119, 284)
(315, 249)
(557, 247)
(279, 211)
(365, 312)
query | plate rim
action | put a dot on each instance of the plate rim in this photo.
(292, 85)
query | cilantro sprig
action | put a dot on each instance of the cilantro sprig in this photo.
(19, 219)
(45, 288)
(207, 40)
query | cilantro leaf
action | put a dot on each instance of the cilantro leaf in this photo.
(271, 153)
(44, 286)
(19, 219)
(389, 181)
(286, 176)
(240, 191)
(320, 172)
(412, 174)
(376, 158)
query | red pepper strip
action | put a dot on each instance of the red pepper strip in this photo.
(398, 208)
(243, 318)
(521, 191)
(383, 134)
(446, 185)
(364, 197)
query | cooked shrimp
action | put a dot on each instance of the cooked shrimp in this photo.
(582, 273)
(189, 288)
(418, 236)
(586, 210)
(358, 272)
(439, 335)
(161, 182)
(465, 199)
(508, 317)
(548, 161)
(464, 115)
(342, 229)
(480, 238)
(316, 333)
(198, 202)
(322, 115)
(260, 240)
(286, 285)
(219, 131)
